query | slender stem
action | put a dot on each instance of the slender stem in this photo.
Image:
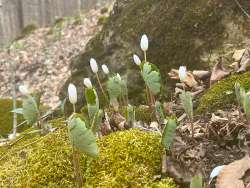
(99, 82)
(77, 169)
(14, 97)
(145, 56)
(164, 162)
(74, 108)
(192, 127)
(148, 95)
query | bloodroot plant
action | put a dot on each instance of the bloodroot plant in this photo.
(150, 73)
(117, 90)
(186, 99)
(243, 99)
(82, 137)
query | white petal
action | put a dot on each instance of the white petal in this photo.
(215, 172)
(144, 42)
(87, 83)
(23, 90)
(93, 65)
(137, 60)
(182, 73)
(72, 92)
(105, 69)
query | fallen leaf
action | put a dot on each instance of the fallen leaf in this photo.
(231, 175)
(218, 72)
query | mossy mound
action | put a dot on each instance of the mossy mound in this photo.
(6, 116)
(180, 33)
(127, 159)
(221, 95)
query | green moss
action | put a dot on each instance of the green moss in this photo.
(127, 159)
(164, 183)
(102, 20)
(6, 116)
(58, 22)
(27, 30)
(221, 95)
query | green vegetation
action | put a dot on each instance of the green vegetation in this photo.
(129, 158)
(102, 20)
(27, 30)
(222, 94)
(6, 116)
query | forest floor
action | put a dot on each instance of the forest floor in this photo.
(43, 57)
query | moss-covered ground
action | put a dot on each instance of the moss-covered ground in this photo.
(221, 95)
(127, 159)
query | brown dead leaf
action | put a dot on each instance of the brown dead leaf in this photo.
(231, 175)
(218, 72)
(201, 74)
(238, 54)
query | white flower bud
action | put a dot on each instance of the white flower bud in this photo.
(72, 92)
(23, 90)
(182, 73)
(118, 76)
(137, 60)
(87, 83)
(144, 43)
(93, 65)
(105, 69)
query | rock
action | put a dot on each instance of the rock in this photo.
(180, 33)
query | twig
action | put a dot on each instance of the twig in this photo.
(242, 9)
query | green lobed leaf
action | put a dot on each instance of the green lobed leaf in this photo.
(159, 112)
(187, 103)
(196, 182)
(237, 92)
(169, 132)
(247, 106)
(97, 120)
(82, 138)
(30, 109)
(130, 114)
(92, 102)
(151, 77)
(115, 88)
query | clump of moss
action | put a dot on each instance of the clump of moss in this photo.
(164, 183)
(6, 116)
(221, 94)
(102, 20)
(27, 30)
(127, 159)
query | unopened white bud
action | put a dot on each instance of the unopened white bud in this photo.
(23, 90)
(105, 69)
(182, 73)
(72, 92)
(137, 60)
(144, 43)
(87, 83)
(93, 65)
(118, 76)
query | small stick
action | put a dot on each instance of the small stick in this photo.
(99, 82)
